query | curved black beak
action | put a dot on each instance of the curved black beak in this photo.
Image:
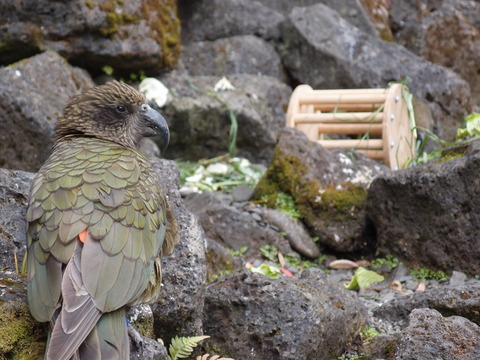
(155, 124)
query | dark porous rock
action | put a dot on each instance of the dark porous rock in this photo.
(445, 33)
(329, 189)
(461, 300)
(33, 93)
(128, 36)
(380, 347)
(242, 193)
(200, 122)
(178, 311)
(14, 189)
(351, 10)
(219, 260)
(21, 337)
(151, 349)
(250, 316)
(232, 227)
(323, 50)
(429, 215)
(232, 18)
(295, 231)
(235, 55)
(430, 336)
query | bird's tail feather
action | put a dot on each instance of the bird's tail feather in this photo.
(108, 339)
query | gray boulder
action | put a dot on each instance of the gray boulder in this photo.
(351, 10)
(294, 230)
(323, 50)
(178, 311)
(231, 227)
(428, 215)
(33, 93)
(235, 55)
(14, 189)
(260, 18)
(250, 316)
(329, 189)
(445, 33)
(460, 300)
(430, 336)
(232, 18)
(200, 122)
(128, 36)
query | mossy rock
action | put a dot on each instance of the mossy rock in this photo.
(329, 201)
(21, 337)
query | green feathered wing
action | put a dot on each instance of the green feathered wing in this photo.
(111, 195)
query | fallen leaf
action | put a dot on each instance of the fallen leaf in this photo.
(281, 259)
(286, 272)
(364, 263)
(363, 278)
(421, 287)
(343, 264)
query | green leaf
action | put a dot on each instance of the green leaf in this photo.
(182, 347)
(108, 70)
(363, 278)
(472, 126)
(270, 252)
(268, 270)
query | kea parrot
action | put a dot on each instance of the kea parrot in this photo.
(98, 224)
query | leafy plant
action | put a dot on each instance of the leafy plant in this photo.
(389, 261)
(238, 252)
(270, 271)
(108, 70)
(232, 140)
(182, 347)
(352, 357)
(472, 126)
(269, 252)
(363, 278)
(427, 274)
(219, 173)
(368, 333)
(285, 203)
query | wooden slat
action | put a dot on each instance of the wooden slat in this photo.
(350, 129)
(350, 91)
(335, 107)
(371, 144)
(339, 118)
(347, 98)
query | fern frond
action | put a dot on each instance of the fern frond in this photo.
(182, 347)
(214, 357)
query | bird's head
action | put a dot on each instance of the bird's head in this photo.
(115, 112)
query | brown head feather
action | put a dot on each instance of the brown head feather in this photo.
(94, 113)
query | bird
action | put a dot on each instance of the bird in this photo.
(98, 223)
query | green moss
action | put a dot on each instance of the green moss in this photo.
(20, 336)
(342, 201)
(89, 4)
(452, 153)
(217, 266)
(288, 174)
(114, 20)
(165, 27)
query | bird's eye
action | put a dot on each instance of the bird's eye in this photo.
(121, 108)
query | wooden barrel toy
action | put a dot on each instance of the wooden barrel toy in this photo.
(372, 121)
